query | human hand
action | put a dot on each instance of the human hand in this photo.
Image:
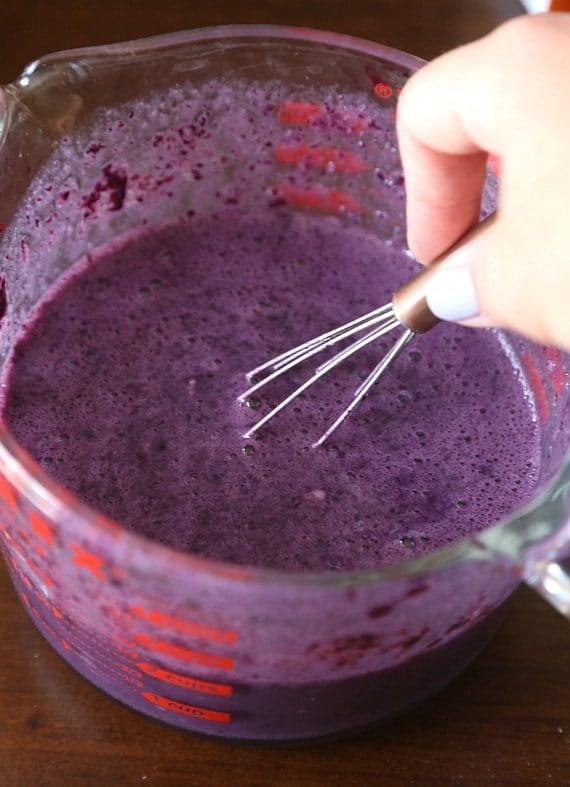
(507, 94)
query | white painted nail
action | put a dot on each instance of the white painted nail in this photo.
(451, 295)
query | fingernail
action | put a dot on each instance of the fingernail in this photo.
(451, 295)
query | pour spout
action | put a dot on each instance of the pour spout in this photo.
(8, 154)
(37, 109)
(49, 93)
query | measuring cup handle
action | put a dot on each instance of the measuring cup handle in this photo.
(536, 542)
(552, 581)
(545, 558)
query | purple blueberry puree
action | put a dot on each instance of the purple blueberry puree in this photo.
(124, 384)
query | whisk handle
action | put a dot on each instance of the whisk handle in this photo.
(409, 302)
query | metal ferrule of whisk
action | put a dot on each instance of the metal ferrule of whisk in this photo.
(408, 310)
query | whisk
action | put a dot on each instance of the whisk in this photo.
(408, 310)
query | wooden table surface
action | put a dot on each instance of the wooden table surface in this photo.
(506, 721)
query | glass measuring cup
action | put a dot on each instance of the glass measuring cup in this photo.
(87, 153)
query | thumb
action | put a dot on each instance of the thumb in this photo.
(453, 292)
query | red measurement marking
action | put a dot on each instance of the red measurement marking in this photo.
(22, 576)
(46, 580)
(188, 627)
(127, 650)
(116, 573)
(17, 547)
(322, 157)
(187, 710)
(27, 559)
(84, 559)
(41, 528)
(31, 568)
(23, 538)
(39, 550)
(307, 114)
(556, 370)
(357, 124)
(318, 198)
(25, 579)
(383, 90)
(184, 654)
(41, 599)
(298, 112)
(537, 387)
(202, 686)
(7, 493)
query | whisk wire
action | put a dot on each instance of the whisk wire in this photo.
(336, 334)
(297, 355)
(303, 352)
(409, 310)
(367, 384)
(346, 353)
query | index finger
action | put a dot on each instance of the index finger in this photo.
(448, 117)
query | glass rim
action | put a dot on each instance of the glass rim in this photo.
(253, 32)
